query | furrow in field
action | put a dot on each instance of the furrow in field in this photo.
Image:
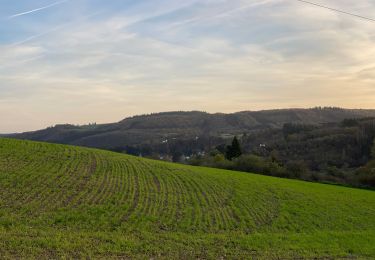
(159, 197)
(81, 182)
(41, 182)
(206, 202)
(145, 189)
(135, 195)
(184, 208)
(32, 171)
(12, 193)
(194, 203)
(126, 188)
(98, 182)
(154, 189)
(53, 181)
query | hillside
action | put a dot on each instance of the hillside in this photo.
(64, 201)
(141, 134)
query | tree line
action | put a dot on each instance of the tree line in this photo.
(334, 153)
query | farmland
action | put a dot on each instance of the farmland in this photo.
(65, 201)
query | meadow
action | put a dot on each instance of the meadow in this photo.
(59, 201)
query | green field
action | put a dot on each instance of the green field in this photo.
(63, 201)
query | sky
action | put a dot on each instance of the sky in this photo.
(85, 61)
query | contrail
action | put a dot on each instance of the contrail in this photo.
(38, 9)
(55, 29)
(219, 15)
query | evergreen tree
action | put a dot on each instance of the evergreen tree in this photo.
(234, 150)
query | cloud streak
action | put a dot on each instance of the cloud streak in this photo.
(57, 28)
(338, 11)
(221, 14)
(38, 9)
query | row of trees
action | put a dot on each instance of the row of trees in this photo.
(366, 175)
(233, 158)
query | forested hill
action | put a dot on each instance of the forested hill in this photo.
(157, 129)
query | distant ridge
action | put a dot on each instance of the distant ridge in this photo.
(153, 128)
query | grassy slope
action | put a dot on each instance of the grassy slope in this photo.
(60, 200)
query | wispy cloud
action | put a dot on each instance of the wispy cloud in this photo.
(57, 28)
(221, 14)
(38, 9)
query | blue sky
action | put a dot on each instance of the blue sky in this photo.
(81, 61)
